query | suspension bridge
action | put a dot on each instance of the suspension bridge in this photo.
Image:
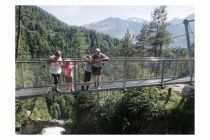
(33, 78)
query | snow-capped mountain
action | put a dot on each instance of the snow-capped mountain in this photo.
(134, 19)
(117, 27)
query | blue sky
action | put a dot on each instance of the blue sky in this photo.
(79, 15)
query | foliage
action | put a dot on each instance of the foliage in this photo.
(70, 126)
(184, 114)
(140, 111)
(31, 109)
(154, 34)
(40, 110)
(42, 34)
(136, 111)
(61, 107)
(127, 47)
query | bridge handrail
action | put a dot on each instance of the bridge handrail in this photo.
(121, 72)
(118, 59)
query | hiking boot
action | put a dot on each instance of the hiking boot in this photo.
(87, 87)
(83, 88)
(98, 86)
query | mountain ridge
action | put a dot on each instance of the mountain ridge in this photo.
(117, 27)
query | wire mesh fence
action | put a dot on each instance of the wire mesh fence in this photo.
(116, 73)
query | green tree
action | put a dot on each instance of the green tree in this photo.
(55, 111)
(41, 34)
(142, 39)
(80, 45)
(159, 36)
(40, 110)
(127, 46)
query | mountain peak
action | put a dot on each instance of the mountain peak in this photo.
(135, 19)
(117, 27)
(176, 20)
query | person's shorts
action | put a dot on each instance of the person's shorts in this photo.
(69, 79)
(96, 71)
(87, 76)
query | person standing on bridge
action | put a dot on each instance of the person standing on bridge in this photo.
(97, 59)
(68, 69)
(87, 74)
(55, 68)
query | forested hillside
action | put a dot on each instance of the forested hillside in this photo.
(41, 34)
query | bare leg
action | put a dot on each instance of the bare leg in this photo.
(67, 87)
(87, 86)
(70, 87)
(98, 81)
(55, 87)
(95, 79)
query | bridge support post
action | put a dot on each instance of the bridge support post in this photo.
(191, 74)
(37, 66)
(22, 78)
(74, 78)
(162, 74)
(175, 70)
(124, 74)
(186, 24)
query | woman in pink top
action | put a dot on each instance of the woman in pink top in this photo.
(69, 69)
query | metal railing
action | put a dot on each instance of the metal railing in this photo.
(34, 74)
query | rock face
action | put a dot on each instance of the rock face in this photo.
(188, 89)
(183, 89)
(177, 88)
(34, 127)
